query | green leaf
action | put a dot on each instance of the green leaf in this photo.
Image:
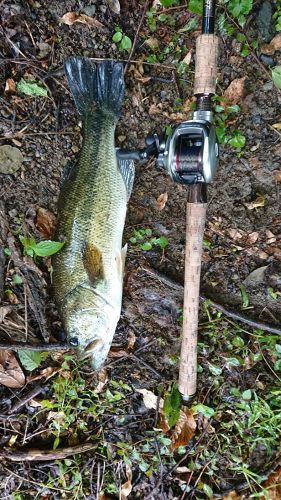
(195, 6)
(272, 293)
(162, 242)
(239, 7)
(247, 395)
(47, 248)
(191, 25)
(146, 246)
(208, 490)
(172, 404)
(276, 76)
(117, 37)
(126, 43)
(244, 296)
(169, 3)
(238, 341)
(215, 370)
(278, 348)
(233, 109)
(17, 280)
(237, 140)
(31, 87)
(233, 362)
(31, 359)
(207, 411)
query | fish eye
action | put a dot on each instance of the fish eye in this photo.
(74, 341)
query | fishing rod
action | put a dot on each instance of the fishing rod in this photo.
(190, 156)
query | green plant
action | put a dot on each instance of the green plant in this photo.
(44, 248)
(32, 88)
(239, 9)
(124, 42)
(30, 360)
(277, 18)
(222, 114)
(276, 76)
(145, 240)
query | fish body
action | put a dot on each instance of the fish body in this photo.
(88, 271)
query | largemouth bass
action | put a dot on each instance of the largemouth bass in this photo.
(88, 271)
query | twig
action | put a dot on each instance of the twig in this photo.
(16, 346)
(136, 36)
(20, 135)
(30, 395)
(45, 455)
(231, 314)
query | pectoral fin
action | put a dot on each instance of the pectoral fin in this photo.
(92, 260)
(120, 261)
(127, 169)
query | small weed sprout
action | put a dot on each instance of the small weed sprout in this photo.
(144, 239)
(124, 42)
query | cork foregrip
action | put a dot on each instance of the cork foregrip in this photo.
(196, 215)
(207, 49)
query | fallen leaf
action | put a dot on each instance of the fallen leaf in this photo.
(252, 238)
(152, 43)
(184, 429)
(235, 91)
(35, 404)
(235, 234)
(11, 374)
(10, 86)
(273, 485)
(32, 88)
(131, 340)
(4, 311)
(103, 379)
(11, 159)
(187, 58)
(117, 353)
(277, 126)
(73, 17)
(161, 201)
(150, 399)
(182, 470)
(258, 202)
(232, 495)
(114, 5)
(270, 48)
(46, 373)
(44, 49)
(277, 175)
(45, 222)
(126, 488)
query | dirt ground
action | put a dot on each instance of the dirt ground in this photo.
(234, 449)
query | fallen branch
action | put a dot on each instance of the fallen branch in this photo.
(230, 314)
(45, 455)
(17, 346)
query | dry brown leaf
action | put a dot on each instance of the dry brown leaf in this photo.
(187, 58)
(235, 91)
(103, 379)
(114, 5)
(152, 43)
(150, 399)
(161, 201)
(131, 340)
(46, 373)
(258, 202)
(273, 485)
(73, 17)
(277, 175)
(4, 311)
(126, 488)
(10, 86)
(45, 222)
(11, 374)
(184, 429)
(235, 234)
(270, 48)
(252, 238)
(117, 353)
(232, 495)
(277, 126)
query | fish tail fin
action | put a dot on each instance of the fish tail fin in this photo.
(95, 87)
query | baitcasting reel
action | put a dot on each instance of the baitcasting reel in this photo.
(189, 154)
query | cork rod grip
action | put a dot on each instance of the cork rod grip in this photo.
(196, 215)
(207, 50)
